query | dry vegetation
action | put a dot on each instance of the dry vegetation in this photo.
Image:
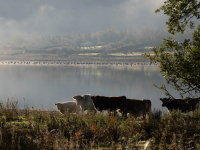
(40, 129)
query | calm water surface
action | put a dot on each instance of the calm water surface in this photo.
(43, 86)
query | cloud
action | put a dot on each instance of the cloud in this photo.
(142, 13)
(46, 8)
(45, 17)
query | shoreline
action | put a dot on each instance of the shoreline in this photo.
(73, 63)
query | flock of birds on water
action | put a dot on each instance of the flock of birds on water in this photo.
(67, 63)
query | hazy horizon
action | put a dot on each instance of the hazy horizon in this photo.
(47, 17)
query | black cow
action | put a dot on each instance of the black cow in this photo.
(138, 107)
(183, 105)
(112, 103)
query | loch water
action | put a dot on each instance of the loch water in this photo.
(43, 86)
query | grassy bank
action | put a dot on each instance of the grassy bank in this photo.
(41, 129)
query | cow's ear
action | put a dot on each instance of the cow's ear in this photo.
(55, 103)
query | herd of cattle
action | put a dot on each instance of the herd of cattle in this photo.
(135, 107)
(115, 104)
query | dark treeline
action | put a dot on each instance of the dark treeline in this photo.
(112, 40)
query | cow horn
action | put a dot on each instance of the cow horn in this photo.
(162, 99)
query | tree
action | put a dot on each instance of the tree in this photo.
(179, 63)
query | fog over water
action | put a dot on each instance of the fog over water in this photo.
(45, 17)
(43, 86)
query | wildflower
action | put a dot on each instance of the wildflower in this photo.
(93, 128)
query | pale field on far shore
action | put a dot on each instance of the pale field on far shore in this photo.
(92, 47)
(115, 54)
(20, 55)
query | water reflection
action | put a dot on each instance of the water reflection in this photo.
(43, 86)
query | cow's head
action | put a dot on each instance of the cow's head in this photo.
(78, 99)
(59, 105)
(92, 97)
(164, 102)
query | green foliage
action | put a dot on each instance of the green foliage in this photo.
(179, 62)
(180, 13)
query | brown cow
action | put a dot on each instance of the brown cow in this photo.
(109, 103)
(138, 107)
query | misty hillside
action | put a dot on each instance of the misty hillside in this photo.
(112, 40)
(48, 26)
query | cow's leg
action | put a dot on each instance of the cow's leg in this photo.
(114, 113)
(92, 111)
(79, 111)
(144, 115)
(109, 112)
(124, 114)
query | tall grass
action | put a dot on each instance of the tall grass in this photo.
(48, 129)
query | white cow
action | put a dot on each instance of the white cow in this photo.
(85, 102)
(68, 107)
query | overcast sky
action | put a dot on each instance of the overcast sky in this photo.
(46, 17)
